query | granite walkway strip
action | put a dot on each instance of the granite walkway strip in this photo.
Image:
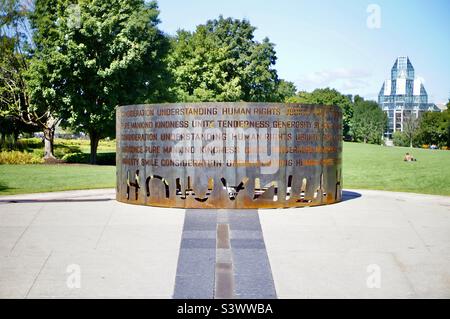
(223, 256)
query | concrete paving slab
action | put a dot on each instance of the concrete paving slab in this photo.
(45, 239)
(436, 239)
(373, 245)
(61, 214)
(403, 236)
(121, 250)
(9, 236)
(138, 238)
(18, 273)
(336, 275)
(18, 215)
(293, 237)
(428, 273)
(106, 274)
(382, 239)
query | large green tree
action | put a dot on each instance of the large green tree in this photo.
(368, 122)
(109, 53)
(44, 77)
(285, 90)
(328, 96)
(434, 128)
(221, 61)
(18, 73)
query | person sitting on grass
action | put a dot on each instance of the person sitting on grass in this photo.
(409, 158)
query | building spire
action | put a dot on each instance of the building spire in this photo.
(403, 95)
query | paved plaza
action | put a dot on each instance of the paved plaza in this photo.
(84, 244)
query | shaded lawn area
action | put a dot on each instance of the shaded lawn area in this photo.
(383, 168)
(22, 179)
(364, 167)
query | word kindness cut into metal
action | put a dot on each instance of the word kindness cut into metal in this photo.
(229, 155)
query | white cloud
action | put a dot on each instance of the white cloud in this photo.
(341, 78)
(354, 84)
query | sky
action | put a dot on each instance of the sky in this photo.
(349, 45)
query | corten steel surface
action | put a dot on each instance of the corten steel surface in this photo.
(229, 155)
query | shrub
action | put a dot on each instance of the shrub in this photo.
(63, 148)
(16, 157)
(23, 144)
(400, 139)
(79, 158)
(83, 158)
(33, 142)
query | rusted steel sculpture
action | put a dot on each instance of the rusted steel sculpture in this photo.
(229, 155)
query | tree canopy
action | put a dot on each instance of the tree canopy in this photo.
(434, 128)
(72, 62)
(221, 61)
(19, 72)
(368, 122)
(108, 53)
(328, 96)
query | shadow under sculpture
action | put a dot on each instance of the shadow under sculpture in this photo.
(229, 155)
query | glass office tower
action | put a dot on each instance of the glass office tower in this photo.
(403, 96)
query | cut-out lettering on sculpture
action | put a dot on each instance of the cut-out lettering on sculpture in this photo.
(229, 155)
(165, 183)
(134, 184)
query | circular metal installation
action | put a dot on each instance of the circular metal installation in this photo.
(229, 155)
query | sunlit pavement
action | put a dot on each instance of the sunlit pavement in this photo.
(84, 244)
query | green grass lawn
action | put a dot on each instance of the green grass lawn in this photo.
(22, 179)
(364, 167)
(383, 168)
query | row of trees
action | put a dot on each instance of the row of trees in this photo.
(72, 62)
(432, 128)
(363, 121)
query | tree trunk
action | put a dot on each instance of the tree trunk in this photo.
(49, 135)
(49, 127)
(94, 137)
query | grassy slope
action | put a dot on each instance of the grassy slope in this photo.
(379, 167)
(365, 167)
